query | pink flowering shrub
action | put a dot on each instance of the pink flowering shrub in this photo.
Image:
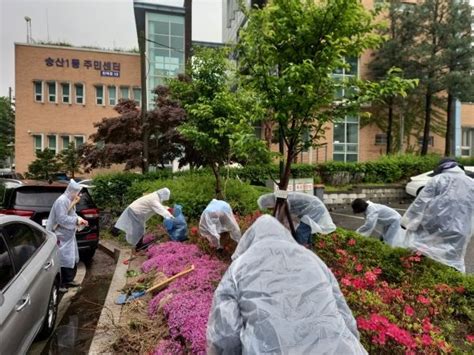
(169, 347)
(187, 301)
(403, 303)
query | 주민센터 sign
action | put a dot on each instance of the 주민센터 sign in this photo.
(109, 69)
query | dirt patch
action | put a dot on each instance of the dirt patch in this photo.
(140, 335)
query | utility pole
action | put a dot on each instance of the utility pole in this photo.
(145, 128)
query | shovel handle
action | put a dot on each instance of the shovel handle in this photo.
(169, 280)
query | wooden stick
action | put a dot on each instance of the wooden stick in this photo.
(166, 282)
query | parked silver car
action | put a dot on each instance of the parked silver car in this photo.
(29, 283)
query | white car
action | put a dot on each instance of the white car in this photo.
(417, 183)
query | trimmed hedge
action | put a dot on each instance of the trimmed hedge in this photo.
(194, 192)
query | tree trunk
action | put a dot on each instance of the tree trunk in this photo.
(426, 131)
(217, 175)
(448, 147)
(390, 127)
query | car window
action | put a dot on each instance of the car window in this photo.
(23, 242)
(6, 267)
(37, 197)
(86, 200)
(2, 194)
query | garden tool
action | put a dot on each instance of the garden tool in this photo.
(166, 282)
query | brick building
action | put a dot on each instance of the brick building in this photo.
(347, 140)
(62, 91)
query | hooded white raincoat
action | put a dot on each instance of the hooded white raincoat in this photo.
(309, 209)
(278, 297)
(440, 222)
(62, 221)
(388, 219)
(218, 218)
(133, 220)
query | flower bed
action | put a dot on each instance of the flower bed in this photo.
(403, 303)
(187, 301)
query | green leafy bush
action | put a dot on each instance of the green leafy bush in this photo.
(194, 192)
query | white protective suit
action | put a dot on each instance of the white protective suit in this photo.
(440, 222)
(218, 218)
(62, 221)
(278, 297)
(309, 209)
(133, 220)
(388, 219)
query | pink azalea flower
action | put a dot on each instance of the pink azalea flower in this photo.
(422, 299)
(359, 267)
(351, 242)
(470, 338)
(409, 311)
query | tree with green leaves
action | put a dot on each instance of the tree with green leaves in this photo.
(45, 165)
(459, 54)
(7, 128)
(288, 53)
(70, 160)
(440, 55)
(220, 114)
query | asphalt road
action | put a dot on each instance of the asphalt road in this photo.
(344, 218)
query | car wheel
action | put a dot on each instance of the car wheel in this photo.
(86, 256)
(419, 190)
(51, 313)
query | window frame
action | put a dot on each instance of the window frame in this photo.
(55, 92)
(83, 96)
(33, 255)
(56, 148)
(15, 274)
(79, 136)
(115, 97)
(98, 86)
(62, 141)
(69, 96)
(139, 99)
(382, 139)
(42, 91)
(128, 92)
(35, 150)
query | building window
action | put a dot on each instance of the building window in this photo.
(430, 141)
(342, 75)
(66, 89)
(99, 94)
(79, 93)
(165, 48)
(112, 95)
(52, 91)
(52, 143)
(65, 140)
(38, 85)
(38, 142)
(346, 139)
(467, 142)
(380, 139)
(137, 95)
(124, 92)
(78, 141)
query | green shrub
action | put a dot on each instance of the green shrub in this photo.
(194, 192)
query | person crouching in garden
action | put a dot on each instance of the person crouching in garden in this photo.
(216, 220)
(380, 215)
(279, 297)
(133, 220)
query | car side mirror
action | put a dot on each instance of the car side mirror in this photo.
(2, 298)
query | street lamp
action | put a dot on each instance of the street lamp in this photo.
(28, 29)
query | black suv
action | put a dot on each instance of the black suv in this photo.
(34, 199)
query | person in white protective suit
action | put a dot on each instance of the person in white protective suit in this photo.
(216, 219)
(279, 297)
(440, 222)
(380, 215)
(312, 214)
(63, 221)
(133, 220)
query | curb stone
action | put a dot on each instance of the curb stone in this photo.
(110, 315)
